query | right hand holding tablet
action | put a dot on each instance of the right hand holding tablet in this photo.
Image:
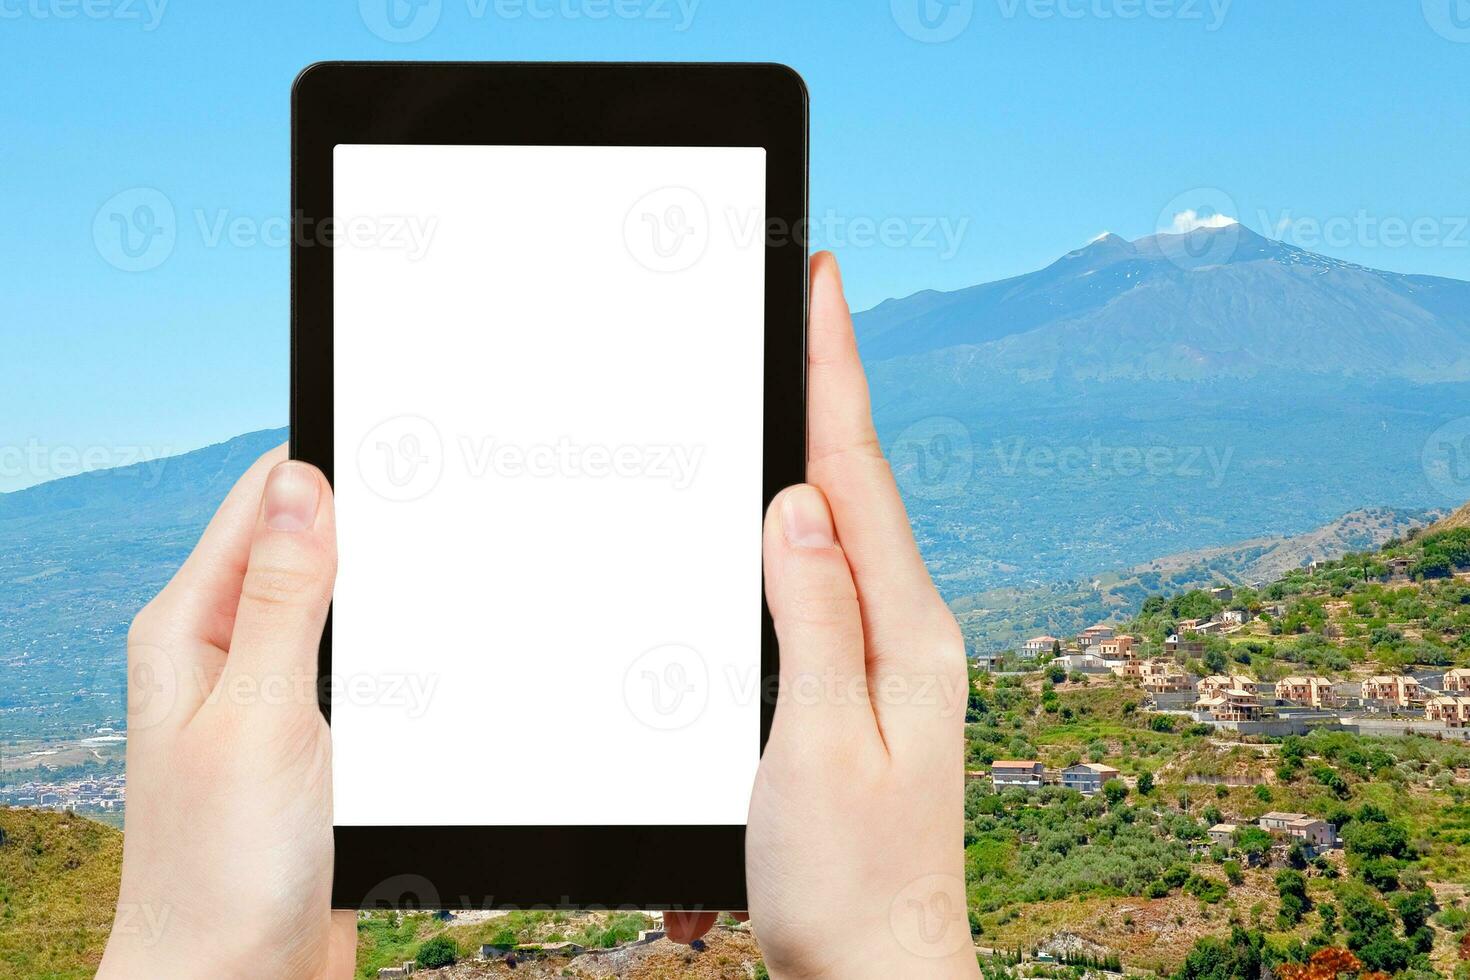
(854, 856)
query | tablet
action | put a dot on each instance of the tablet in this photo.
(548, 345)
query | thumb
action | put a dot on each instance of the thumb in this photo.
(286, 590)
(814, 606)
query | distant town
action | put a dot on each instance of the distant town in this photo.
(91, 795)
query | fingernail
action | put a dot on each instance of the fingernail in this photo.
(806, 520)
(291, 496)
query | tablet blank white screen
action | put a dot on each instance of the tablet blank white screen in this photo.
(547, 417)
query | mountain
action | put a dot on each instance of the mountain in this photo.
(1217, 302)
(1000, 619)
(1165, 395)
(79, 557)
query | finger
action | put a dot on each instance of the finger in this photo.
(286, 589)
(685, 927)
(200, 599)
(901, 609)
(814, 606)
(342, 946)
(176, 646)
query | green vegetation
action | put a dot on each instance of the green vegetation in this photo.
(1049, 859)
(389, 938)
(436, 952)
(58, 885)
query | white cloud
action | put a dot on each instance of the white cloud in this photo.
(1191, 220)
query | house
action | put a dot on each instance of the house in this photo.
(1235, 617)
(1216, 684)
(1027, 774)
(1126, 668)
(1039, 645)
(1189, 648)
(1231, 704)
(1457, 681)
(1222, 593)
(1399, 567)
(1094, 635)
(1314, 691)
(1117, 648)
(1088, 778)
(1163, 675)
(1299, 826)
(1396, 691)
(1223, 834)
(1189, 625)
(1451, 709)
(1086, 663)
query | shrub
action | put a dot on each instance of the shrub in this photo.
(436, 952)
(1207, 890)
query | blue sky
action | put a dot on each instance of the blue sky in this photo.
(1037, 125)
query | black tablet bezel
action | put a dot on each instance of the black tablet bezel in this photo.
(548, 104)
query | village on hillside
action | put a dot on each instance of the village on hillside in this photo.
(1428, 701)
(1236, 777)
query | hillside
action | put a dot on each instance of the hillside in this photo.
(78, 558)
(1460, 518)
(58, 883)
(1139, 877)
(1133, 872)
(1000, 619)
(1403, 607)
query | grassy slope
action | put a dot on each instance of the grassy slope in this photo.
(58, 882)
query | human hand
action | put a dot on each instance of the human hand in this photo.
(854, 852)
(227, 855)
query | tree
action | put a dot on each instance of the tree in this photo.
(1253, 842)
(1290, 882)
(1292, 910)
(1291, 885)
(1146, 783)
(1368, 837)
(1115, 790)
(1236, 958)
(1414, 909)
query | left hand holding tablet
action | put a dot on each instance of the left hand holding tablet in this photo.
(227, 855)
